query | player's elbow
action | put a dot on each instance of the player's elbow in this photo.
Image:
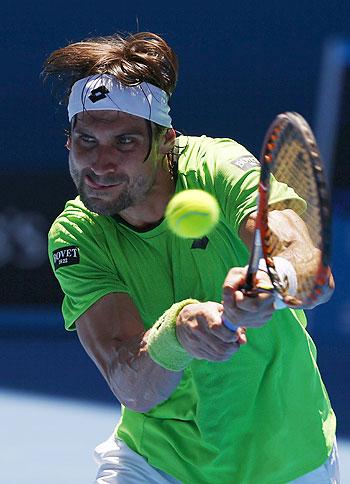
(138, 404)
(139, 398)
(139, 407)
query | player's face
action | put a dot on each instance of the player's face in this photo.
(107, 160)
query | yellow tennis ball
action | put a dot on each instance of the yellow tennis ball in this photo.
(191, 214)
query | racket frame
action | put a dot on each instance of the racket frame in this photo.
(260, 249)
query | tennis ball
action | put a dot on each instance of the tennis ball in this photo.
(191, 214)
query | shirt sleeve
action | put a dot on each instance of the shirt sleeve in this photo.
(81, 262)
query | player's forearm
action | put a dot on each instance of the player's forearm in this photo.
(113, 335)
(295, 245)
(135, 379)
(290, 239)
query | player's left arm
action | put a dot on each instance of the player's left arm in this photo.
(294, 244)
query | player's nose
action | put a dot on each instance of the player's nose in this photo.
(106, 160)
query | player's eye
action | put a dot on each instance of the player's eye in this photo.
(86, 139)
(125, 140)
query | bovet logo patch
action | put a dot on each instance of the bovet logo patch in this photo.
(65, 256)
(246, 163)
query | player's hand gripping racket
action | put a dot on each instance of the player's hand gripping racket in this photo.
(291, 156)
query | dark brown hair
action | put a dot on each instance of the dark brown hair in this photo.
(133, 58)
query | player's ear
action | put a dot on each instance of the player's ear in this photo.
(167, 141)
(68, 133)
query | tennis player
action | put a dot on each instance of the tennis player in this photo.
(200, 403)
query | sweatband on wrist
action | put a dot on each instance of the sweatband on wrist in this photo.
(163, 346)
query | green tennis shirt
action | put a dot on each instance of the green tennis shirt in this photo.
(263, 416)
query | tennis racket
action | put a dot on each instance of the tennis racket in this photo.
(290, 156)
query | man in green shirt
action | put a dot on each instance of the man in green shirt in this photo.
(201, 403)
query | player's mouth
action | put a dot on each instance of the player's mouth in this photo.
(99, 186)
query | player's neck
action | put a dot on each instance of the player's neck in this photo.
(150, 211)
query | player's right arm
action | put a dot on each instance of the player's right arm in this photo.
(112, 333)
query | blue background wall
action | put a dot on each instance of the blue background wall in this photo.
(240, 64)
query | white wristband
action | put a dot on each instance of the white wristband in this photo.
(286, 274)
(262, 265)
(285, 270)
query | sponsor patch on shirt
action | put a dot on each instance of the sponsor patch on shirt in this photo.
(66, 256)
(246, 162)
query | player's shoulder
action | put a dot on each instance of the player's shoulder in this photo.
(76, 218)
(204, 141)
(198, 152)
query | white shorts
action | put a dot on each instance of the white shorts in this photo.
(120, 465)
(328, 473)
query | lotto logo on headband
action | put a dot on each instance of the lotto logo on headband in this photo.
(98, 94)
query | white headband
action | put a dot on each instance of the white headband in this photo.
(105, 92)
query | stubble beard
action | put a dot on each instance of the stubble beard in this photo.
(134, 191)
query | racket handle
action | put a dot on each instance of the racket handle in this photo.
(250, 282)
(229, 325)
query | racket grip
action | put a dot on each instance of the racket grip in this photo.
(229, 325)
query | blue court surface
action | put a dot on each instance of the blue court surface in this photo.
(51, 440)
